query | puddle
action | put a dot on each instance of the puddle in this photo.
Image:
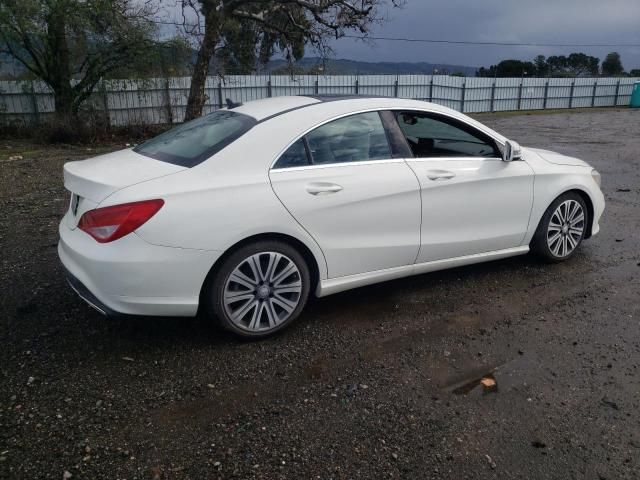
(485, 384)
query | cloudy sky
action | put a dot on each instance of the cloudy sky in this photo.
(521, 21)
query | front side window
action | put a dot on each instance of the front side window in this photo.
(430, 136)
(193, 142)
(356, 138)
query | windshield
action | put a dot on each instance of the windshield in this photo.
(193, 142)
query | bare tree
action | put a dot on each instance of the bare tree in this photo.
(71, 44)
(241, 32)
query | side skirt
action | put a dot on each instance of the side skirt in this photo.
(340, 284)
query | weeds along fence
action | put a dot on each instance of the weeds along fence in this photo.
(163, 100)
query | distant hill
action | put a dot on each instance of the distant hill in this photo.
(353, 67)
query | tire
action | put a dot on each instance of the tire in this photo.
(561, 229)
(256, 303)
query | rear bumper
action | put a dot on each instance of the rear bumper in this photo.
(132, 277)
(85, 294)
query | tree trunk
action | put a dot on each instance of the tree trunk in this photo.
(197, 97)
(60, 66)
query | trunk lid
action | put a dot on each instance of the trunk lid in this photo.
(91, 181)
(97, 178)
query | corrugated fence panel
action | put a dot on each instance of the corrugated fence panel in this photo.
(506, 95)
(477, 95)
(377, 85)
(163, 100)
(415, 86)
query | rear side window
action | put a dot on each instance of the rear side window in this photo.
(295, 156)
(193, 142)
(356, 138)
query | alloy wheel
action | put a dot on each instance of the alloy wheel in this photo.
(262, 291)
(566, 228)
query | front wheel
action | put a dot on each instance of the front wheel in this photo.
(259, 289)
(562, 228)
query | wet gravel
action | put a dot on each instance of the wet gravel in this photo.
(512, 369)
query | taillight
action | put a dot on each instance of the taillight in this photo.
(110, 223)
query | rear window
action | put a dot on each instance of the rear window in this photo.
(193, 142)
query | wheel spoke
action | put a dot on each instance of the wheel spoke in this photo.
(291, 288)
(272, 316)
(240, 278)
(254, 264)
(239, 314)
(289, 270)
(287, 305)
(578, 219)
(553, 239)
(274, 258)
(234, 297)
(254, 324)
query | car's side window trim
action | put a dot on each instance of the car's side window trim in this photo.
(465, 127)
(497, 142)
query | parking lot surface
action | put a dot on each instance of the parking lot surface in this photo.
(511, 369)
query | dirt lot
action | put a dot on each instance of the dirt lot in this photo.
(379, 382)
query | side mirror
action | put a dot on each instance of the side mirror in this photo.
(511, 151)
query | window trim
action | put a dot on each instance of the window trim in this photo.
(456, 123)
(497, 141)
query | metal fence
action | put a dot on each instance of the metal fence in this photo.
(163, 100)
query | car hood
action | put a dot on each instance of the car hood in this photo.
(558, 158)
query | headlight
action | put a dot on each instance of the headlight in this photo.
(596, 177)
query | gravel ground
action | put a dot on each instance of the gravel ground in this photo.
(380, 382)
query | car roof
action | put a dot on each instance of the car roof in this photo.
(335, 105)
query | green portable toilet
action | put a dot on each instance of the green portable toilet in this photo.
(635, 96)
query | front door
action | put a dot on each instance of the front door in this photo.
(472, 201)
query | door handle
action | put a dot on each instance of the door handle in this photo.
(322, 188)
(440, 175)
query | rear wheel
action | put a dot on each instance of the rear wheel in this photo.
(259, 289)
(561, 229)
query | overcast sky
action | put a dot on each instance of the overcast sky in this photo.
(540, 21)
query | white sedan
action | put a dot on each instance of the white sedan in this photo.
(244, 213)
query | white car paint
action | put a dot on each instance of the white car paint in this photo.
(388, 220)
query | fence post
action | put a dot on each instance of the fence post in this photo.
(546, 95)
(316, 87)
(269, 89)
(464, 91)
(593, 94)
(220, 102)
(615, 103)
(520, 95)
(357, 86)
(573, 86)
(431, 89)
(395, 88)
(34, 103)
(493, 95)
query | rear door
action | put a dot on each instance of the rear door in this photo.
(472, 201)
(361, 205)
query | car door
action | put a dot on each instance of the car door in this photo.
(361, 205)
(472, 201)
